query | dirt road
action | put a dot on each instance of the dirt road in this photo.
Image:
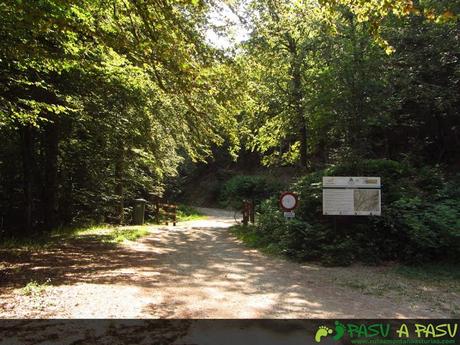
(199, 270)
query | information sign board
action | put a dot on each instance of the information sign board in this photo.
(351, 196)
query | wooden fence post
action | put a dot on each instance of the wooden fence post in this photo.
(174, 214)
(245, 212)
(157, 212)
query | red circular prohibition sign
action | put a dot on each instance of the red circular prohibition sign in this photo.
(288, 201)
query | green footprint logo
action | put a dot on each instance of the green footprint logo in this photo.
(322, 331)
(339, 330)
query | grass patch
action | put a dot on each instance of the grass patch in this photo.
(104, 233)
(33, 243)
(111, 234)
(185, 213)
(431, 272)
(376, 285)
(34, 288)
(252, 239)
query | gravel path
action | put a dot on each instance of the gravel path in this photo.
(199, 270)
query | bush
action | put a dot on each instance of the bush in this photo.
(243, 187)
(420, 218)
(431, 226)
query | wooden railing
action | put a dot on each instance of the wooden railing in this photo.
(167, 212)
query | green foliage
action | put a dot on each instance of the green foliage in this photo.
(366, 79)
(432, 225)
(34, 288)
(302, 240)
(419, 222)
(245, 187)
(99, 102)
(185, 213)
(250, 237)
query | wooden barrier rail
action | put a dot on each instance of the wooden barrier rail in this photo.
(167, 211)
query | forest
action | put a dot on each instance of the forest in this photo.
(106, 101)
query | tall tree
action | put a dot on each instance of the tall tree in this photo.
(104, 95)
(278, 50)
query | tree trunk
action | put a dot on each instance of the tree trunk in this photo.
(119, 187)
(297, 54)
(356, 139)
(303, 145)
(50, 188)
(297, 99)
(27, 143)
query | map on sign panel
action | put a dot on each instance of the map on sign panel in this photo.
(366, 200)
(351, 196)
